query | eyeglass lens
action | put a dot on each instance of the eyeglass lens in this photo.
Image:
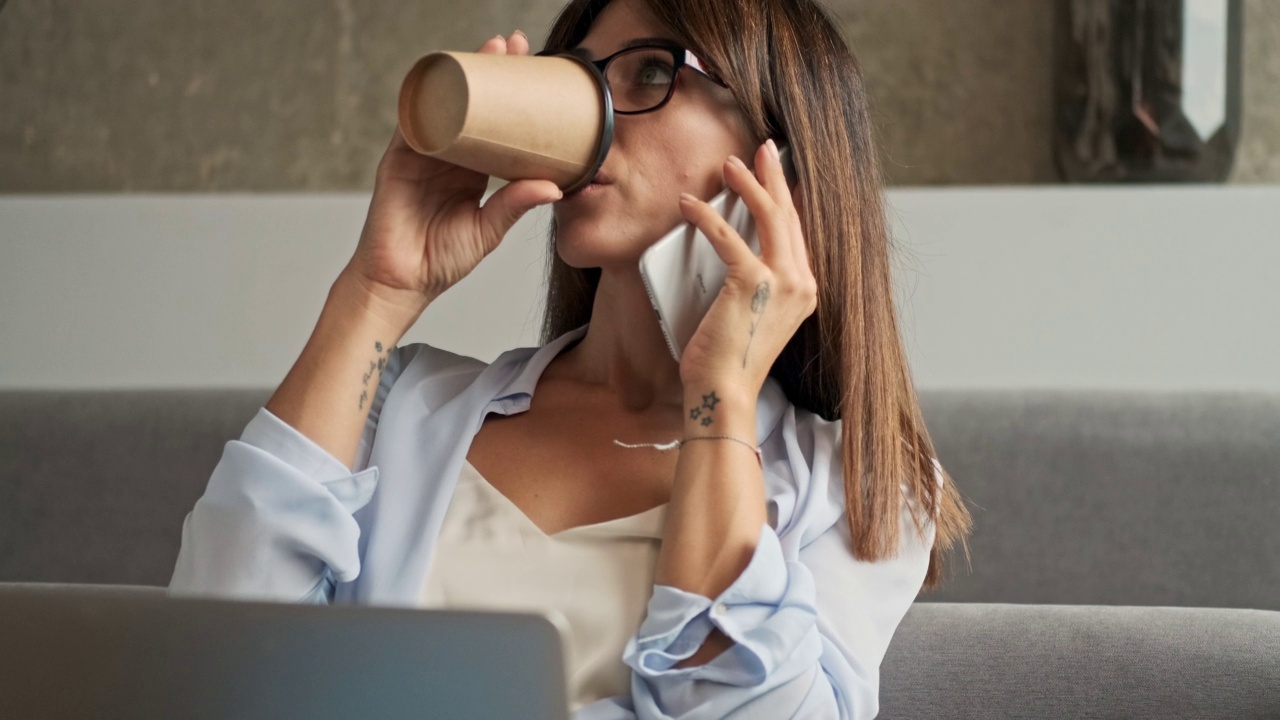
(640, 79)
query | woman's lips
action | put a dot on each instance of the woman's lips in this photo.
(591, 190)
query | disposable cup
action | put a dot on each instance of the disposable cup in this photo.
(509, 116)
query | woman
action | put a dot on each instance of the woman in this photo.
(773, 561)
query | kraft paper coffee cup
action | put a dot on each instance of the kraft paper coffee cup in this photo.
(509, 116)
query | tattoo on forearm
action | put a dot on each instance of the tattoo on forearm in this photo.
(758, 301)
(375, 367)
(704, 410)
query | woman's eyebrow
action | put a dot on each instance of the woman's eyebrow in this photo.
(634, 42)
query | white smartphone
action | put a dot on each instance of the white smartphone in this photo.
(682, 272)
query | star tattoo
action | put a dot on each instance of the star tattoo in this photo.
(709, 401)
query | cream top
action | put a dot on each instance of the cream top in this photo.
(491, 556)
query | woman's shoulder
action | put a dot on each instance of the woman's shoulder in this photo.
(805, 473)
(807, 437)
(434, 360)
(430, 372)
(440, 374)
(818, 439)
(814, 467)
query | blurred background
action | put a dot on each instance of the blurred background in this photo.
(1084, 198)
(180, 182)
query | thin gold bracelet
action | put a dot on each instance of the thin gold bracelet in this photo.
(755, 449)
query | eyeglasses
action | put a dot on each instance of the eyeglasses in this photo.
(642, 79)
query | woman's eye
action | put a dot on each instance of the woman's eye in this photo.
(653, 72)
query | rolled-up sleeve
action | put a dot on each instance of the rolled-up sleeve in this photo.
(767, 611)
(276, 519)
(810, 623)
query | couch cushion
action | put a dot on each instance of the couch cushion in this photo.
(994, 661)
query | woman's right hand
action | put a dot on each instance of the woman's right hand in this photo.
(426, 229)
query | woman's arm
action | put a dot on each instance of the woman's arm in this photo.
(328, 393)
(425, 231)
(717, 502)
(806, 623)
(276, 521)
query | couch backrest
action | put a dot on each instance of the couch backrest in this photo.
(1104, 498)
(94, 486)
(1114, 498)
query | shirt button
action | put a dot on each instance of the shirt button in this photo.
(720, 609)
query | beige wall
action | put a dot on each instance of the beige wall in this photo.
(245, 95)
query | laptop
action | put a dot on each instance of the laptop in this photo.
(109, 654)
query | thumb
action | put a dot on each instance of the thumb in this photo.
(510, 203)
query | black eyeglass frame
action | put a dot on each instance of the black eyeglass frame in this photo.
(681, 57)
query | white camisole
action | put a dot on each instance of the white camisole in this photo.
(491, 556)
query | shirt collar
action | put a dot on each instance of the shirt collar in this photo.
(516, 393)
(528, 367)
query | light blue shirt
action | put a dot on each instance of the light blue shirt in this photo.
(284, 520)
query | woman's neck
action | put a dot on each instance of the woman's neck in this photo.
(623, 351)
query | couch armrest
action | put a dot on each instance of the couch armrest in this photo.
(996, 660)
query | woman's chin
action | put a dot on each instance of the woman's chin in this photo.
(588, 243)
(597, 255)
(604, 261)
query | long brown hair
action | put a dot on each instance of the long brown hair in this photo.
(795, 79)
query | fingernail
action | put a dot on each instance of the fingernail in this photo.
(773, 149)
(686, 197)
(520, 33)
(737, 161)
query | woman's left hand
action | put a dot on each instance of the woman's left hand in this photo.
(765, 298)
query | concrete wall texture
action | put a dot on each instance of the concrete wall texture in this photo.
(252, 96)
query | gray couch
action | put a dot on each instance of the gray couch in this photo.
(1124, 556)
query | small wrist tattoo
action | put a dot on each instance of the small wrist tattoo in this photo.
(758, 302)
(376, 366)
(703, 413)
